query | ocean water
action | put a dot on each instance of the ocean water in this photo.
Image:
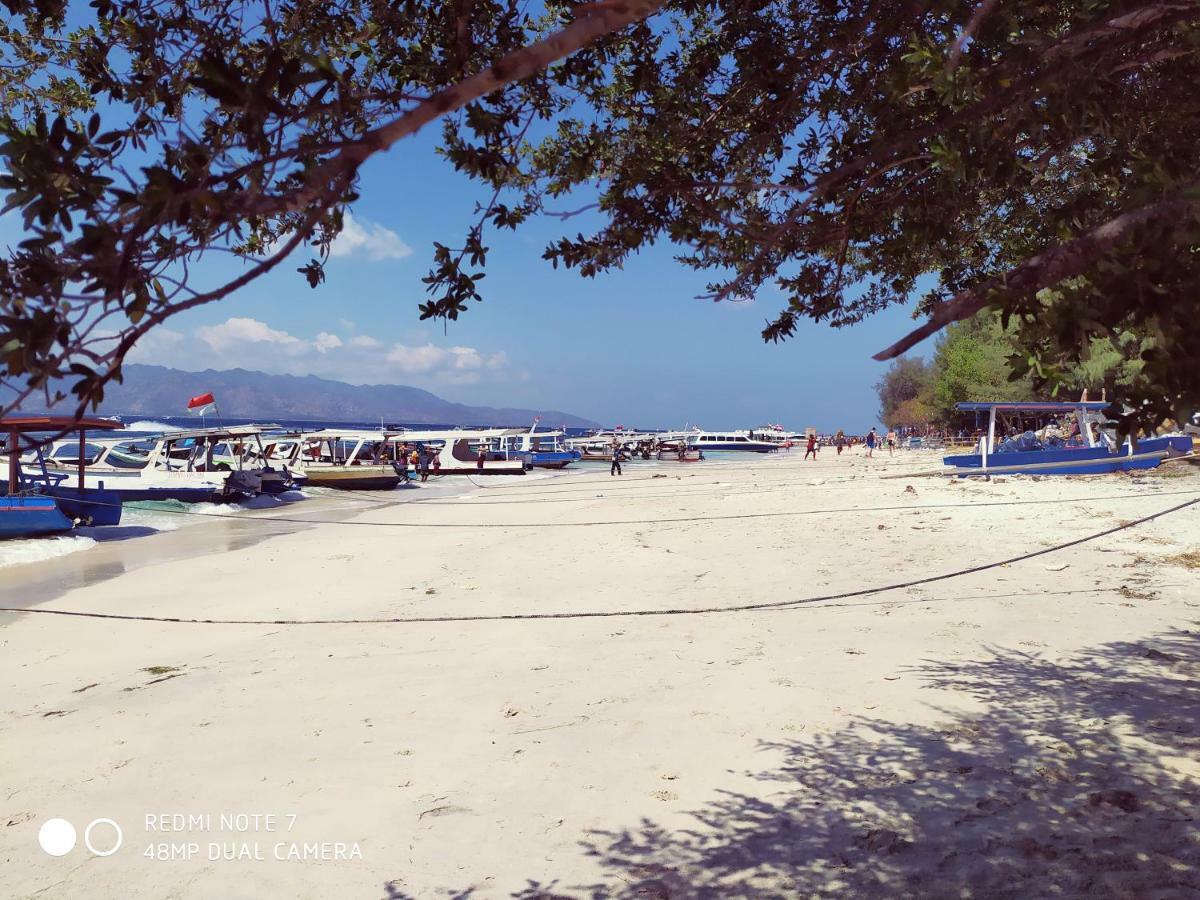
(146, 518)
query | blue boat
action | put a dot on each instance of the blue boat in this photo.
(79, 504)
(539, 450)
(29, 515)
(1073, 440)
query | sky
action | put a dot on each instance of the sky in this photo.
(633, 347)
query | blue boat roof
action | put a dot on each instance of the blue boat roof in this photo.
(1032, 406)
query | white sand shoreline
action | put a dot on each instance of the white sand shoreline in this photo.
(938, 740)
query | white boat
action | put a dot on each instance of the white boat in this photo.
(459, 451)
(540, 450)
(175, 465)
(729, 441)
(341, 458)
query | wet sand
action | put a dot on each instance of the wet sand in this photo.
(1015, 731)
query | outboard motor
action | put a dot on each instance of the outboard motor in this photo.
(247, 484)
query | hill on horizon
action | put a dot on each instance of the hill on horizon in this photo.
(241, 393)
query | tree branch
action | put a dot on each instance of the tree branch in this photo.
(973, 24)
(1047, 268)
(594, 21)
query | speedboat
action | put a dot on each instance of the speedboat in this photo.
(730, 442)
(1075, 440)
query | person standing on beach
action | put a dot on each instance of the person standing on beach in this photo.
(812, 447)
(479, 460)
(891, 439)
(840, 440)
(424, 461)
(871, 443)
(615, 468)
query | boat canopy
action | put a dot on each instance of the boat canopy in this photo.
(26, 424)
(1032, 406)
(227, 431)
(18, 425)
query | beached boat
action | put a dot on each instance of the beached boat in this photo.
(539, 450)
(27, 473)
(174, 465)
(677, 451)
(1073, 440)
(458, 451)
(341, 458)
(31, 515)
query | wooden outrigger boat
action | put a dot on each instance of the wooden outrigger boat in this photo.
(458, 451)
(1085, 447)
(339, 458)
(38, 502)
(190, 466)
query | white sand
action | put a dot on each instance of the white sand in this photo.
(1024, 731)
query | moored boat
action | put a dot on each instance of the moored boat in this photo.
(31, 515)
(173, 465)
(27, 471)
(1080, 444)
(345, 459)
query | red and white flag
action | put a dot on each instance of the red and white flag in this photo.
(202, 404)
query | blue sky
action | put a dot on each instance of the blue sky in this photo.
(633, 347)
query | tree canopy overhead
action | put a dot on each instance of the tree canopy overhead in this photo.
(1029, 157)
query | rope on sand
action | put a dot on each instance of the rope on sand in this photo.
(609, 614)
(661, 520)
(1002, 472)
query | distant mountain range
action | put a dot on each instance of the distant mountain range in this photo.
(242, 394)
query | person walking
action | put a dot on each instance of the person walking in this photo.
(615, 468)
(871, 443)
(812, 447)
(891, 439)
(840, 440)
(424, 463)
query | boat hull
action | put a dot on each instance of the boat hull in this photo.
(553, 459)
(1079, 461)
(689, 456)
(737, 447)
(30, 516)
(353, 478)
(89, 506)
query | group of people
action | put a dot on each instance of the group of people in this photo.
(840, 441)
(423, 461)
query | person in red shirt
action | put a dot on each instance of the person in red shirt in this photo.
(812, 447)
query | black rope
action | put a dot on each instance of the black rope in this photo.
(668, 521)
(607, 614)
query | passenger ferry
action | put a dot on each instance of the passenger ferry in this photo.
(731, 441)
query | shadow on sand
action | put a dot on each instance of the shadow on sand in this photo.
(1070, 783)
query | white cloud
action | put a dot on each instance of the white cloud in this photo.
(243, 342)
(325, 342)
(429, 357)
(156, 346)
(241, 330)
(369, 239)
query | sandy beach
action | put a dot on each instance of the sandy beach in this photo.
(716, 680)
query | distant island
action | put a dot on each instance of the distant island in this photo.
(243, 394)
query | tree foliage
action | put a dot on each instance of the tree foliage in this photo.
(904, 391)
(976, 360)
(1037, 159)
